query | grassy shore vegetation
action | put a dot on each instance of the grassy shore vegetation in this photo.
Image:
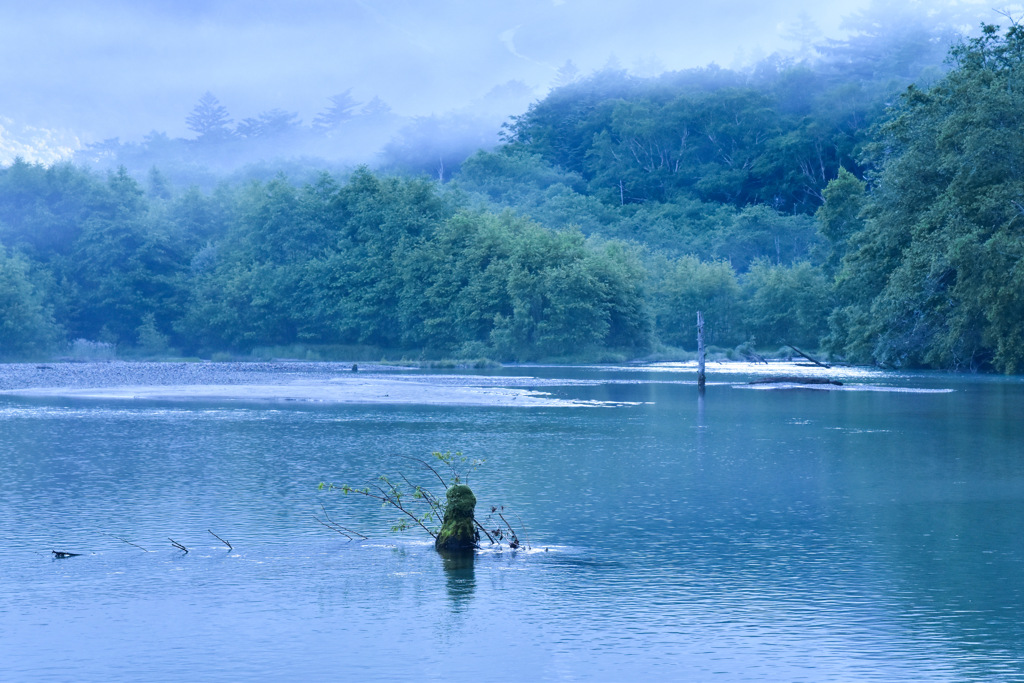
(799, 203)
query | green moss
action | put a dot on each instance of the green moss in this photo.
(458, 532)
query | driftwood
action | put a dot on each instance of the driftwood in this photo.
(60, 554)
(813, 360)
(795, 380)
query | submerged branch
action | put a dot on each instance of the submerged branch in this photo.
(523, 527)
(813, 360)
(514, 543)
(483, 529)
(124, 540)
(221, 540)
(334, 526)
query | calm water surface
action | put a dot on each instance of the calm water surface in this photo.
(872, 534)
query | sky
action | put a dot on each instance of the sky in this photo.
(85, 70)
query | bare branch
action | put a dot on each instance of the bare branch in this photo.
(124, 540)
(486, 532)
(429, 467)
(397, 504)
(523, 527)
(221, 540)
(1008, 15)
(177, 545)
(514, 543)
(428, 497)
(334, 526)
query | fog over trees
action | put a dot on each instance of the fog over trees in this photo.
(857, 195)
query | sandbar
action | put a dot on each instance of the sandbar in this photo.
(354, 390)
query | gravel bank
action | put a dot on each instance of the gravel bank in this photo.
(280, 381)
(124, 373)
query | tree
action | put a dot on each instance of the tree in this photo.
(785, 304)
(841, 216)
(209, 119)
(27, 326)
(687, 285)
(124, 265)
(274, 123)
(342, 109)
(376, 108)
(929, 278)
(567, 74)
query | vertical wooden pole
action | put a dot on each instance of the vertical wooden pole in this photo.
(700, 351)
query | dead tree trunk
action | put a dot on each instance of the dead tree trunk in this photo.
(700, 351)
(813, 360)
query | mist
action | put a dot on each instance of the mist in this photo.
(86, 72)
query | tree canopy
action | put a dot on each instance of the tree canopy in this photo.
(799, 202)
(932, 271)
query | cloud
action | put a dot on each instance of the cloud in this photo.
(35, 145)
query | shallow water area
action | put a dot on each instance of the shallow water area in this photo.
(869, 533)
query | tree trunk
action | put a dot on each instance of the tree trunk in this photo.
(700, 351)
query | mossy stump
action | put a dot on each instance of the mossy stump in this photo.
(458, 531)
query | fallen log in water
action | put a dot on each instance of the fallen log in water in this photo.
(795, 380)
(813, 360)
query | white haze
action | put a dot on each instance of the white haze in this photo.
(86, 70)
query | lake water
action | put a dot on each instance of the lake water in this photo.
(874, 532)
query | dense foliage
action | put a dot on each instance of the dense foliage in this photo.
(788, 203)
(379, 261)
(932, 271)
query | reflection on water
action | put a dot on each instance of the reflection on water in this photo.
(700, 406)
(459, 577)
(780, 535)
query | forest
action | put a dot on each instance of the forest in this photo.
(867, 205)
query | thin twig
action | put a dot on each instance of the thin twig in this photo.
(486, 532)
(334, 526)
(384, 497)
(124, 540)
(429, 467)
(221, 540)
(523, 527)
(429, 497)
(515, 537)
(177, 545)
